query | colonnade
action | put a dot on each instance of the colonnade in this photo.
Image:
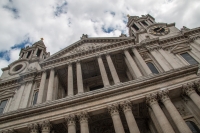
(126, 105)
(106, 82)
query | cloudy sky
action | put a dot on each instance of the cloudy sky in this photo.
(62, 22)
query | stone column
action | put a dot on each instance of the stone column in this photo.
(190, 91)
(50, 85)
(45, 127)
(70, 80)
(79, 77)
(160, 59)
(71, 123)
(151, 99)
(112, 69)
(33, 128)
(113, 110)
(103, 72)
(176, 117)
(41, 89)
(133, 64)
(126, 106)
(83, 119)
(27, 93)
(35, 52)
(19, 96)
(141, 61)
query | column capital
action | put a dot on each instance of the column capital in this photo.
(113, 109)
(188, 89)
(197, 84)
(70, 119)
(43, 70)
(83, 117)
(45, 125)
(151, 99)
(163, 95)
(33, 128)
(126, 105)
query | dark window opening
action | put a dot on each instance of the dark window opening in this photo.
(18, 67)
(193, 127)
(22, 55)
(39, 52)
(35, 98)
(96, 87)
(2, 106)
(189, 58)
(29, 53)
(152, 68)
(144, 23)
(135, 27)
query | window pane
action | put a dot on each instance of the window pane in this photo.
(152, 68)
(193, 127)
(189, 58)
(35, 98)
(2, 106)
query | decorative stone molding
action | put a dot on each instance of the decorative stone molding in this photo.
(45, 125)
(126, 105)
(188, 89)
(163, 95)
(83, 117)
(33, 128)
(113, 109)
(70, 119)
(151, 99)
(8, 131)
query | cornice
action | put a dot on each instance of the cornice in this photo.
(192, 32)
(99, 94)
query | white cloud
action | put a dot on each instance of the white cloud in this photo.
(36, 19)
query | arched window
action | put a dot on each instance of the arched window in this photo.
(35, 96)
(152, 67)
(189, 58)
(193, 127)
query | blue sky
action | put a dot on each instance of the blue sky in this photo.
(62, 22)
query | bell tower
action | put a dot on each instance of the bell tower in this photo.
(35, 52)
(138, 24)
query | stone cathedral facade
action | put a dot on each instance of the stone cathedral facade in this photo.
(148, 82)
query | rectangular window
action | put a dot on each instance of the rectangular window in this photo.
(35, 96)
(144, 23)
(2, 105)
(152, 68)
(189, 58)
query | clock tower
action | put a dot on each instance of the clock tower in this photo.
(145, 27)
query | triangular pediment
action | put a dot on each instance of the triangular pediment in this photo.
(85, 45)
(180, 48)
